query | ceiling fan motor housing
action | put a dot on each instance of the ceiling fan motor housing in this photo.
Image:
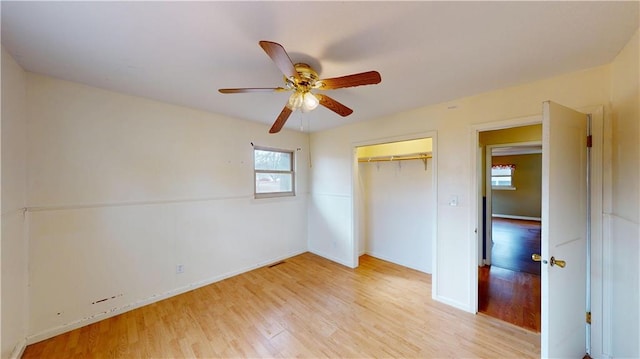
(307, 80)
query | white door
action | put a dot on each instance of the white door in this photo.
(564, 224)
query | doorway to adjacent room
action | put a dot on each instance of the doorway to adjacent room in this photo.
(509, 282)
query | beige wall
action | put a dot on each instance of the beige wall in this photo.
(13, 263)
(626, 127)
(526, 199)
(622, 266)
(511, 135)
(410, 147)
(397, 211)
(123, 189)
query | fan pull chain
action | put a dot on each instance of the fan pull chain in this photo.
(301, 124)
(302, 117)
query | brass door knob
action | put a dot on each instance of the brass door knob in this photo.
(557, 262)
(537, 258)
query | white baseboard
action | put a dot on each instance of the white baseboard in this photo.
(509, 216)
(454, 303)
(332, 258)
(52, 332)
(385, 258)
(18, 350)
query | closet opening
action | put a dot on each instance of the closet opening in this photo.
(395, 202)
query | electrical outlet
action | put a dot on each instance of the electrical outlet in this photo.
(180, 268)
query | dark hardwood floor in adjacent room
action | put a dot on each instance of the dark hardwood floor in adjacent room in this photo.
(509, 289)
(514, 241)
(306, 307)
(510, 296)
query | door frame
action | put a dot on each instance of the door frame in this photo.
(477, 166)
(600, 128)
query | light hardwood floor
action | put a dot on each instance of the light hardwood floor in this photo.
(305, 307)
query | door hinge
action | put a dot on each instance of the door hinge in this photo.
(588, 317)
(589, 141)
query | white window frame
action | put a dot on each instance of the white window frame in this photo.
(509, 187)
(290, 172)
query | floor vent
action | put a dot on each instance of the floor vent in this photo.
(276, 264)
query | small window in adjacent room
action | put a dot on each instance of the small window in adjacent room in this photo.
(502, 177)
(273, 172)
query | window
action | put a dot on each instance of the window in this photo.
(502, 176)
(273, 172)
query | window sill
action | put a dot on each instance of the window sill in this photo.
(274, 195)
(503, 188)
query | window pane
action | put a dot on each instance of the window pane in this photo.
(272, 160)
(501, 181)
(274, 182)
(501, 171)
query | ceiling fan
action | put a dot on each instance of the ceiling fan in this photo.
(300, 79)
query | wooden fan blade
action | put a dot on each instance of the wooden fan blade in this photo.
(247, 90)
(364, 78)
(282, 118)
(280, 57)
(334, 105)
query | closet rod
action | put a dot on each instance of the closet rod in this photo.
(393, 158)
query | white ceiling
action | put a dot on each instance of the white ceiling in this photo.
(426, 52)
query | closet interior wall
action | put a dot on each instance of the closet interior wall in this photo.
(398, 214)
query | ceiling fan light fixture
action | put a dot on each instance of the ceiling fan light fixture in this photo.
(309, 102)
(295, 101)
(304, 101)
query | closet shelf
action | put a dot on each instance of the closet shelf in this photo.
(413, 156)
